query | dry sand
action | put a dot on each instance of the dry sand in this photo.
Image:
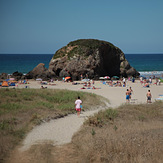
(60, 131)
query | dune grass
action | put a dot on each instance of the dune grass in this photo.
(131, 133)
(21, 109)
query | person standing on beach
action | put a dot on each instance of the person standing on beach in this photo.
(127, 96)
(81, 77)
(78, 103)
(149, 96)
(130, 89)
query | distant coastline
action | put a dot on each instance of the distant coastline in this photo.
(146, 64)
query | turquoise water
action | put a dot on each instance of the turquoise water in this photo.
(24, 63)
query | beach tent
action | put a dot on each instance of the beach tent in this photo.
(5, 84)
(12, 84)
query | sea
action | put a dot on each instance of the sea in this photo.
(146, 64)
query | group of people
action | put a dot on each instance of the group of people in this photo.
(89, 85)
(129, 93)
(116, 84)
(148, 82)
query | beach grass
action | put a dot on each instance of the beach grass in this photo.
(16, 100)
(21, 109)
(130, 133)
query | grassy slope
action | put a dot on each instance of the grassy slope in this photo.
(21, 109)
(131, 133)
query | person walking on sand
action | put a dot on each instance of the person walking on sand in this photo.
(127, 96)
(149, 96)
(130, 89)
(78, 103)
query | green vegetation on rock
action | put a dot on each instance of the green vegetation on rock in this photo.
(81, 47)
(90, 43)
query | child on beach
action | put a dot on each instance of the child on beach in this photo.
(149, 96)
(78, 103)
(127, 96)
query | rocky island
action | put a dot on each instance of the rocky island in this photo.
(90, 57)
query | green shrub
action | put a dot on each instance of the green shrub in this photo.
(111, 114)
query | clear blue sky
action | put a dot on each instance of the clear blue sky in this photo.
(44, 26)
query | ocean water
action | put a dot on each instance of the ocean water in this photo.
(144, 63)
(147, 64)
(23, 63)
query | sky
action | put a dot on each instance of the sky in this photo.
(44, 26)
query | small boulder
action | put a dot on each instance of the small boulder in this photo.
(40, 71)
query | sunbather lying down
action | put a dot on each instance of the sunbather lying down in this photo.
(42, 87)
(90, 88)
(146, 85)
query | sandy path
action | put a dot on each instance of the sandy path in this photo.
(60, 131)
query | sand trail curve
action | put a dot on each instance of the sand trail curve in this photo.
(58, 132)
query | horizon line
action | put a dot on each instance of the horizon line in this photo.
(54, 54)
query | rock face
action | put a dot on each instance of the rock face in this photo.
(38, 72)
(3, 76)
(17, 75)
(90, 57)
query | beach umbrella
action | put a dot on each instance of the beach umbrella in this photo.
(107, 77)
(68, 77)
(101, 78)
(115, 77)
(39, 79)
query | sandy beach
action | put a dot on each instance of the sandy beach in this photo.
(116, 95)
(60, 131)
